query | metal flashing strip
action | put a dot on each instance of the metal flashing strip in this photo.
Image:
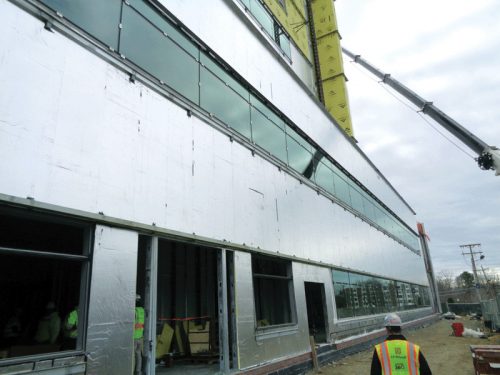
(109, 55)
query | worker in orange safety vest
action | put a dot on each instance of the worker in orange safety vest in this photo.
(396, 355)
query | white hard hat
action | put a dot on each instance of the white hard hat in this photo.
(137, 297)
(392, 320)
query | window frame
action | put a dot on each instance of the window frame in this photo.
(291, 294)
(84, 260)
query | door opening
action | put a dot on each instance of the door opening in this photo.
(316, 310)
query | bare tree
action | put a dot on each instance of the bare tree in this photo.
(445, 280)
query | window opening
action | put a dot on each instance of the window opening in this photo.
(273, 291)
(43, 270)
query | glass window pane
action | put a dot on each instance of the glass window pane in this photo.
(285, 45)
(267, 112)
(268, 135)
(341, 189)
(369, 208)
(223, 102)
(324, 177)
(99, 18)
(340, 277)
(147, 47)
(262, 16)
(246, 3)
(343, 301)
(223, 75)
(155, 17)
(299, 158)
(356, 199)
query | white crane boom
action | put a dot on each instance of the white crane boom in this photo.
(488, 157)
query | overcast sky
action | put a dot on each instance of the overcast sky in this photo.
(448, 51)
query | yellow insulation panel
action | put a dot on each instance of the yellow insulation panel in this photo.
(293, 19)
(337, 102)
(330, 63)
(325, 21)
(330, 58)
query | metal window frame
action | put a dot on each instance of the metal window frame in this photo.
(85, 262)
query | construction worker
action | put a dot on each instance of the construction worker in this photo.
(396, 355)
(138, 335)
(49, 326)
(71, 330)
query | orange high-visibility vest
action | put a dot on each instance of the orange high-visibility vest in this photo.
(398, 357)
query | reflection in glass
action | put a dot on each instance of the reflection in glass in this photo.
(341, 189)
(285, 45)
(99, 18)
(262, 16)
(358, 294)
(224, 103)
(223, 75)
(150, 49)
(324, 177)
(159, 21)
(268, 134)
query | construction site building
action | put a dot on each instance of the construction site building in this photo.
(198, 155)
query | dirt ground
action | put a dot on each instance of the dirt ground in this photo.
(445, 354)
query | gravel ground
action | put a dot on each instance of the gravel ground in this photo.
(446, 354)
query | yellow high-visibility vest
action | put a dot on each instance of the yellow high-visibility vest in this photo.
(139, 323)
(398, 357)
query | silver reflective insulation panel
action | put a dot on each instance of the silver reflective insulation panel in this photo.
(260, 66)
(112, 302)
(255, 348)
(93, 141)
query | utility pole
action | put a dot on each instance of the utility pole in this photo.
(490, 284)
(473, 261)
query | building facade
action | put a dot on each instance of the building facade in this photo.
(186, 152)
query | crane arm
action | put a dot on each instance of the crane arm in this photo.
(488, 157)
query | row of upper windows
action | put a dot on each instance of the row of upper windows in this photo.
(357, 294)
(150, 41)
(269, 24)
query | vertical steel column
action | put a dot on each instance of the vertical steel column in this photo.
(429, 269)
(150, 298)
(223, 319)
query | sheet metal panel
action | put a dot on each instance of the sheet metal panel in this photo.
(93, 141)
(252, 349)
(266, 73)
(112, 302)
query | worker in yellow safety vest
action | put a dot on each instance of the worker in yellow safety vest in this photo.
(396, 355)
(70, 330)
(138, 336)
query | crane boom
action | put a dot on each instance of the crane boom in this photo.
(488, 157)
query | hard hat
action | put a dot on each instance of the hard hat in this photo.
(392, 320)
(137, 297)
(50, 306)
